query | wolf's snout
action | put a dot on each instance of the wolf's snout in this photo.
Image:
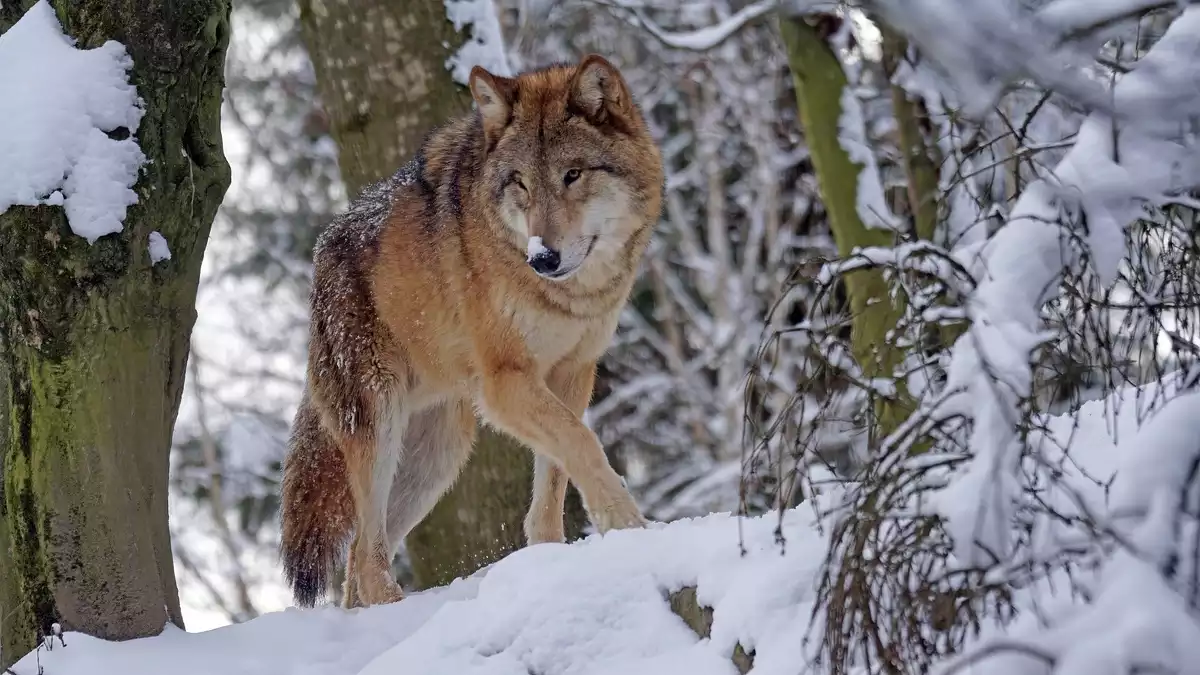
(545, 261)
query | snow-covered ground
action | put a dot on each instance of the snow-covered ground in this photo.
(598, 606)
(601, 605)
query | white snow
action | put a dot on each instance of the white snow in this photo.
(1125, 475)
(486, 44)
(871, 201)
(979, 45)
(58, 106)
(535, 247)
(1070, 16)
(314, 642)
(598, 606)
(159, 250)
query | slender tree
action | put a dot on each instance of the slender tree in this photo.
(94, 345)
(820, 84)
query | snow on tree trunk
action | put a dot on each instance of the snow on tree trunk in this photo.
(95, 342)
(382, 73)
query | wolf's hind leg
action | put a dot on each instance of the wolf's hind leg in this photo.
(436, 446)
(372, 468)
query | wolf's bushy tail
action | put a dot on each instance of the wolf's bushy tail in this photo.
(317, 509)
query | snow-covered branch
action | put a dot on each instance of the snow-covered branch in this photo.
(1096, 191)
(483, 43)
(705, 39)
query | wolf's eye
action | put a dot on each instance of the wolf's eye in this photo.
(571, 176)
(516, 178)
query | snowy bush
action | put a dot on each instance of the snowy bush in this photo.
(1061, 270)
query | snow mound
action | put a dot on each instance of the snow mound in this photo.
(59, 106)
(597, 606)
(324, 641)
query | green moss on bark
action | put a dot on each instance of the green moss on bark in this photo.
(819, 82)
(93, 346)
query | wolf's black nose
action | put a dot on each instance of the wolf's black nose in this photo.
(545, 261)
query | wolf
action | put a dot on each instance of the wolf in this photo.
(484, 278)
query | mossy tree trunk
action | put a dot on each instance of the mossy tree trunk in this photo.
(820, 82)
(94, 342)
(918, 152)
(383, 81)
(921, 159)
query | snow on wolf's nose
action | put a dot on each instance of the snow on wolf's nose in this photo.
(543, 260)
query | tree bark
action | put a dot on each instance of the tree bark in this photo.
(381, 74)
(819, 83)
(95, 343)
(919, 154)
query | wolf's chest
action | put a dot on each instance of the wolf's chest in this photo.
(549, 338)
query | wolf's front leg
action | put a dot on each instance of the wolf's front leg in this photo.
(544, 521)
(572, 383)
(517, 401)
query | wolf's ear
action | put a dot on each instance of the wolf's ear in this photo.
(599, 93)
(495, 96)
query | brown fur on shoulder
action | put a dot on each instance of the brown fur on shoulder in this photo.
(487, 274)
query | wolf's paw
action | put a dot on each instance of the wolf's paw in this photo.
(391, 593)
(618, 516)
(382, 594)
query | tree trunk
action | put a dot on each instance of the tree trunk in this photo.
(920, 157)
(819, 82)
(383, 81)
(95, 343)
(382, 78)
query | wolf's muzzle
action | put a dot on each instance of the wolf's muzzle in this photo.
(545, 261)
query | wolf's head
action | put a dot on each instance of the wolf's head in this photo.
(571, 169)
